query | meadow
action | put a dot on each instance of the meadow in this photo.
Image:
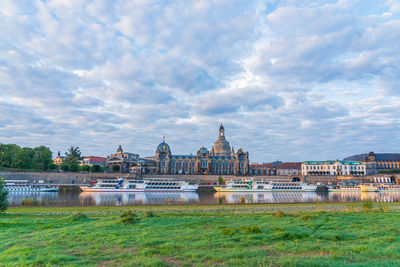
(365, 234)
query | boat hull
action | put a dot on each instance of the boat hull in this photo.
(122, 190)
(34, 190)
(263, 190)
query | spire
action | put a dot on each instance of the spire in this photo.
(221, 131)
(163, 139)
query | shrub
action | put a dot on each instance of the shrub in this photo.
(149, 214)
(29, 202)
(77, 217)
(220, 180)
(3, 195)
(278, 214)
(367, 205)
(129, 217)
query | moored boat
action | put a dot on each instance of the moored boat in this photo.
(26, 186)
(265, 186)
(145, 185)
(368, 188)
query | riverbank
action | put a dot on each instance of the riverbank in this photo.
(273, 234)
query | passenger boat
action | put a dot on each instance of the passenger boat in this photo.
(389, 188)
(343, 188)
(26, 186)
(145, 185)
(368, 188)
(265, 186)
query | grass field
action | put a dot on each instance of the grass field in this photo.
(248, 235)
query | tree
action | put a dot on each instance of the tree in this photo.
(85, 168)
(64, 167)
(8, 153)
(220, 180)
(42, 158)
(22, 160)
(115, 168)
(96, 168)
(73, 155)
(52, 167)
(73, 167)
(3, 195)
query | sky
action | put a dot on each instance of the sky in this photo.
(289, 80)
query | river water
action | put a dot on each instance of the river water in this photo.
(126, 199)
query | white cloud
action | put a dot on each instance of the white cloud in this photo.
(289, 80)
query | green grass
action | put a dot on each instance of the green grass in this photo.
(247, 235)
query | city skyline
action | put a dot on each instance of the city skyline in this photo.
(289, 81)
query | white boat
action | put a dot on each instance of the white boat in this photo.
(145, 185)
(342, 188)
(26, 186)
(265, 186)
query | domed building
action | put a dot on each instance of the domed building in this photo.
(221, 159)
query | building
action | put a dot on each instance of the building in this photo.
(59, 159)
(379, 161)
(331, 167)
(264, 168)
(221, 159)
(124, 160)
(92, 160)
(144, 166)
(289, 168)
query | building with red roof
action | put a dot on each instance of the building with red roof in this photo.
(92, 160)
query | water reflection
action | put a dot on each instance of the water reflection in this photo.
(141, 198)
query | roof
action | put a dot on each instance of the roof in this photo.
(327, 162)
(378, 156)
(289, 165)
(95, 159)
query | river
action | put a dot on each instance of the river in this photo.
(57, 199)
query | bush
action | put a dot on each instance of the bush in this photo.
(29, 202)
(220, 180)
(74, 167)
(64, 167)
(149, 214)
(97, 168)
(367, 205)
(3, 195)
(77, 217)
(129, 217)
(52, 167)
(278, 214)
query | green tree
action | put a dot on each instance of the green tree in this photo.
(220, 180)
(42, 158)
(52, 167)
(96, 168)
(64, 167)
(22, 160)
(73, 154)
(85, 168)
(8, 153)
(3, 195)
(73, 167)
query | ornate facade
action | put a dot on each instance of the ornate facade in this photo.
(221, 159)
(124, 160)
(377, 162)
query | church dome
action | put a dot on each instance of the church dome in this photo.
(221, 146)
(163, 148)
(203, 151)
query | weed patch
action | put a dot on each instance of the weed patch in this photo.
(129, 218)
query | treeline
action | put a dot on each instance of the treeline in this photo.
(40, 159)
(25, 158)
(71, 162)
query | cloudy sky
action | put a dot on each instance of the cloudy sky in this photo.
(290, 80)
